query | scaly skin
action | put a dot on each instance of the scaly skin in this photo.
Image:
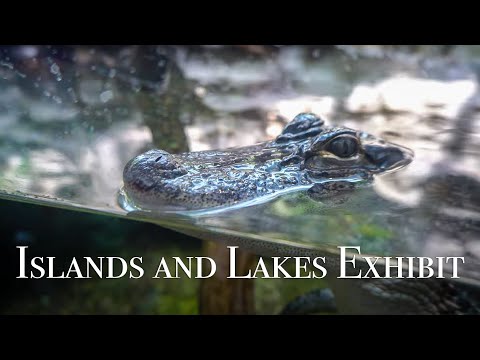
(307, 155)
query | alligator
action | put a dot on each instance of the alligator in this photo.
(324, 161)
(307, 155)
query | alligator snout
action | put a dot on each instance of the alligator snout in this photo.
(158, 160)
(145, 171)
(388, 156)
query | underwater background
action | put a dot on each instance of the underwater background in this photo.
(72, 116)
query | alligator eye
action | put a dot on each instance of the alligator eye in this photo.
(343, 146)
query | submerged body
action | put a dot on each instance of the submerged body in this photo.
(307, 155)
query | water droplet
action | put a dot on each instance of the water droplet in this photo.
(106, 96)
(6, 64)
(122, 111)
(22, 75)
(136, 87)
(54, 69)
(200, 91)
(73, 95)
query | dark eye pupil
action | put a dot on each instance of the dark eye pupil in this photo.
(343, 147)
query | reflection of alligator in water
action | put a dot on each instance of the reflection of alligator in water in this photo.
(307, 155)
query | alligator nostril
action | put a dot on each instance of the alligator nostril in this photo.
(158, 158)
(387, 157)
